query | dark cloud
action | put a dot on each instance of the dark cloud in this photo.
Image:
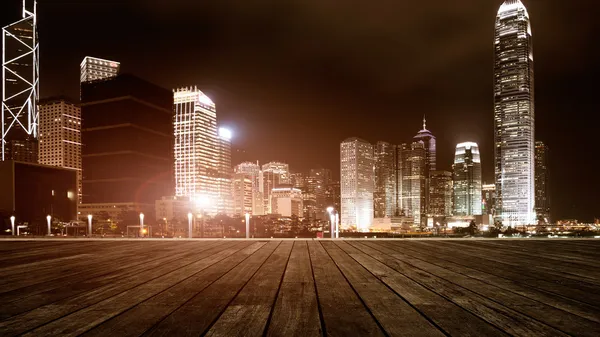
(294, 78)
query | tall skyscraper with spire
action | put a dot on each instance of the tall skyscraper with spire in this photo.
(514, 117)
(429, 144)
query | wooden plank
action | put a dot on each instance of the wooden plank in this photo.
(494, 313)
(196, 316)
(296, 311)
(249, 312)
(449, 317)
(464, 267)
(85, 319)
(160, 306)
(549, 315)
(58, 289)
(48, 313)
(524, 272)
(344, 314)
(383, 303)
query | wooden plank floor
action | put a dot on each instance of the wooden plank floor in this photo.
(300, 287)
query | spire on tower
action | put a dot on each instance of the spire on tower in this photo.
(424, 123)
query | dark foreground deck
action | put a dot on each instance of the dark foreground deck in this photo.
(303, 288)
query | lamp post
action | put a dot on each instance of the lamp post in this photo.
(247, 225)
(331, 221)
(163, 229)
(337, 225)
(12, 225)
(90, 225)
(141, 224)
(190, 218)
(49, 219)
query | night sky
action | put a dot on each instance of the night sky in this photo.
(292, 79)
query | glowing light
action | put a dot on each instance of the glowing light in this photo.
(225, 133)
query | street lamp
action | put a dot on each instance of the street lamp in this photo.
(12, 225)
(190, 217)
(49, 219)
(90, 225)
(331, 220)
(247, 225)
(337, 225)
(142, 224)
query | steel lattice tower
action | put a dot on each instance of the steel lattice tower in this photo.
(20, 77)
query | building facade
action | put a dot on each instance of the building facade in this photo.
(429, 144)
(385, 180)
(60, 136)
(274, 174)
(92, 68)
(467, 180)
(357, 184)
(287, 201)
(440, 194)
(253, 172)
(202, 153)
(488, 199)
(514, 115)
(127, 132)
(542, 182)
(413, 162)
(242, 194)
(317, 182)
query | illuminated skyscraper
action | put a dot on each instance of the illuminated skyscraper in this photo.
(413, 162)
(197, 149)
(20, 87)
(93, 68)
(385, 180)
(488, 198)
(252, 171)
(542, 181)
(357, 183)
(317, 182)
(514, 117)
(440, 194)
(225, 172)
(60, 135)
(274, 174)
(467, 180)
(429, 144)
(242, 194)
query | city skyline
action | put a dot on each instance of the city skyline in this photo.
(569, 200)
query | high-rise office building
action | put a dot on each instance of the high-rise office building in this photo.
(440, 193)
(202, 153)
(274, 174)
(514, 117)
(488, 199)
(542, 181)
(413, 161)
(20, 87)
(357, 184)
(92, 68)
(467, 179)
(317, 182)
(385, 180)
(60, 135)
(333, 195)
(298, 180)
(287, 201)
(242, 194)
(429, 144)
(127, 132)
(253, 172)
(225, 172)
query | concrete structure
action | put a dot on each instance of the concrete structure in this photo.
(60, 135)
(20, 87)
(514, 115)
(467, 180)
(287, 201)
(92, 68)
(357, 184)
(127, 134)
